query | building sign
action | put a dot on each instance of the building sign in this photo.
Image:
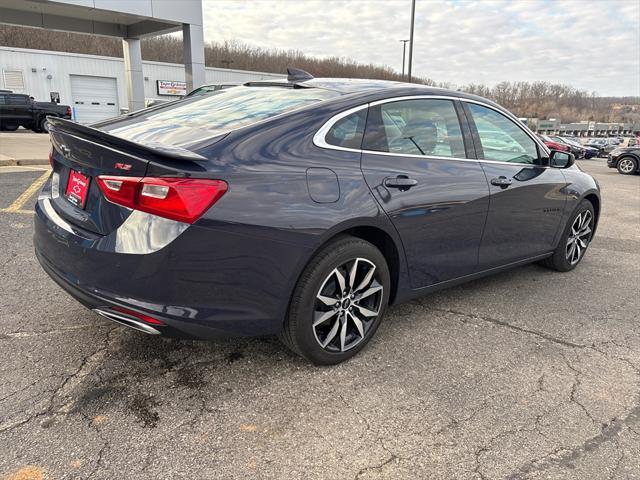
(171, 87)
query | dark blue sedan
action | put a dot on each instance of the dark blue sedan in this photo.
(301, 208)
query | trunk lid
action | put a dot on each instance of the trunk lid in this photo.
(81, 153)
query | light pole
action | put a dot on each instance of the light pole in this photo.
(404, 50)
(413, 18)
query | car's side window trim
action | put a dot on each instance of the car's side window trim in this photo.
(319, 137)
(469, 144)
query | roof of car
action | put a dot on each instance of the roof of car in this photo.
(361, 85)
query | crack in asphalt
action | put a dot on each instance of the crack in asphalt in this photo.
(26, 387)
(105, 445)
(577, 382)
(617, 465)
(609, 432)
(562, 456)
(454, 422)
(502, 323)
(364, 470)
(91, 361)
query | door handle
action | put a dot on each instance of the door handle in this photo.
(401, 181)
(502, 182)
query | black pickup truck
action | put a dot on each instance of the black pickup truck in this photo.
(17, 110)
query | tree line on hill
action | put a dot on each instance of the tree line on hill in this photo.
(525, 99)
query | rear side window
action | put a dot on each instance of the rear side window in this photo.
(348, 131)
(18, 100)
(415, 127)
(238, 107)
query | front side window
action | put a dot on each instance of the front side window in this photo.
(347, 132)
(501, 139)
(415, 127)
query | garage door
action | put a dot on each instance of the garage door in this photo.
(94, 98)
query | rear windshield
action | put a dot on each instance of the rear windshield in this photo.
(238, 107)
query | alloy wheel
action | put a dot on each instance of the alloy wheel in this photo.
(579, 237)
(626, 165)
(347, 305)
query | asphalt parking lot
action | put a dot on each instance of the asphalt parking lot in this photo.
(526, 374)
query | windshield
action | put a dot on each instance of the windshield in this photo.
(202, 91)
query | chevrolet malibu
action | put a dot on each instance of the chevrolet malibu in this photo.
(301, 208)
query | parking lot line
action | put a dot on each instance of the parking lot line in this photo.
(21, 212)
(23, 168)
(16, 206)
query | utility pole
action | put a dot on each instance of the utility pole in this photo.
(413, 18)
(404, 50)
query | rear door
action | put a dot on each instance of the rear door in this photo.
(4, 108)
(527, 197)
(415, 163)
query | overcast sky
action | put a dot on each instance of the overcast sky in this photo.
(590, 44)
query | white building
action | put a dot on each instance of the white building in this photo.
(95, 86)
(129, 20)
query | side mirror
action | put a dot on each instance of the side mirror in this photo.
(559, 159)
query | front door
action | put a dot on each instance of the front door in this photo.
(527, 196)
(414, 160)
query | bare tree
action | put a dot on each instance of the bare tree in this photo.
(525, 99)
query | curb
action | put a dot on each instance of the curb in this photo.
(13, 162)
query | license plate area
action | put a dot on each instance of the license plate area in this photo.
(77, 188)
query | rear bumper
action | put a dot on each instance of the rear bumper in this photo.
(101, 305)
(204, 283)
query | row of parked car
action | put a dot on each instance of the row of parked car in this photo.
(594, 147)
(625, 159)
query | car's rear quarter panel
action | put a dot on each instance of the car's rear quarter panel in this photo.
(268, 224)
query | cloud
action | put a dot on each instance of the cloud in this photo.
(590, 44)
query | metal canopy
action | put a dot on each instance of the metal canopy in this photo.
(84, 17)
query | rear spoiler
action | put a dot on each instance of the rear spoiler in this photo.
(169, 152)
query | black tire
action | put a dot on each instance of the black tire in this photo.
(559, 260)
(627, 166)
(318, 278)
(42, 125)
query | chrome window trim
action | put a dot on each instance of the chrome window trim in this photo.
(319, 139)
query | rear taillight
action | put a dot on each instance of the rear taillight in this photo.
(68, 114)
(181, 199)
(51, 157)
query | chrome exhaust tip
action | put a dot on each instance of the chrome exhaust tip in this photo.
(127, 321)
